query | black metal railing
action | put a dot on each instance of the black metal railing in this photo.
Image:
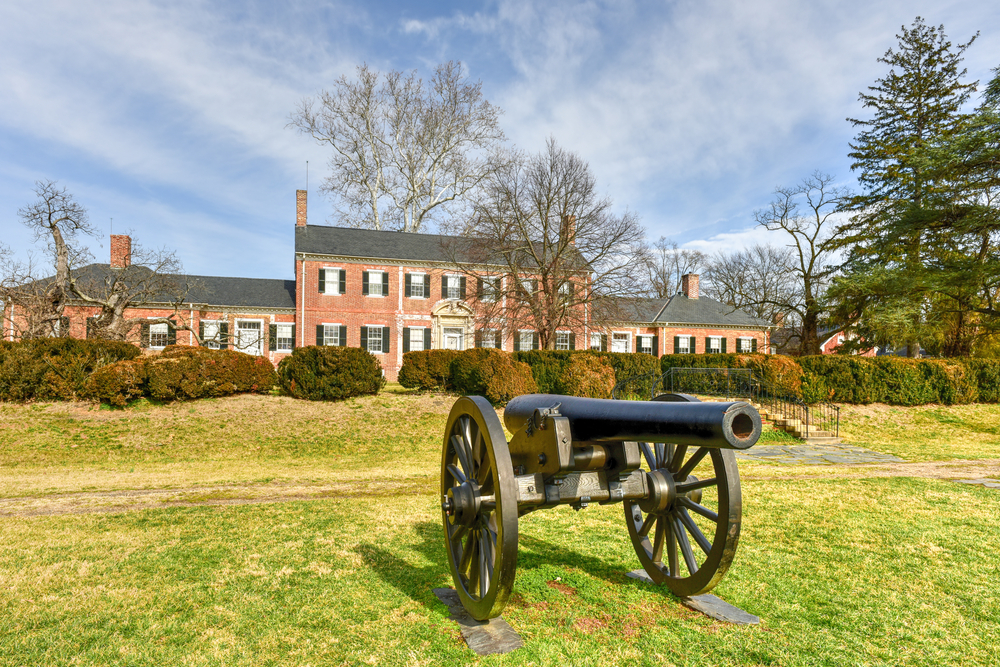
(735, 384)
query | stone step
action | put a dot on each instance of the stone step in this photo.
(812, 440)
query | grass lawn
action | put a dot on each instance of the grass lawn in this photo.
(202, 570)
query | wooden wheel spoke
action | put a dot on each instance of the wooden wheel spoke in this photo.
(700, 484)
(486, 554)
(699, 509)
(678, 458)
(670, 451)
(661, 455)
(695, 531)
(647, 524)
(661, 526)
(457, 474)
(483, 474)
(647, 452)
(692, 462)
(462, 453)
(459, 533)
(685, 545)
(465, 562)
(672, 551)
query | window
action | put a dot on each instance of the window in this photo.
(562, 340)
(375, 283)
(331, 335)
(595, 341)
(488, 338)
(284, 338)
(454, 287)
(489, 287)
(330, 281)
(745, 344)
(528, 284)
(454, 338)
(646, 344)
(418, 286)
(210, 334)
(565, 292)
(375, 339)
(620, 342)
(526, 340)
(248, 336)
(416, 339)
(714, 345)
(159, 334)
(683, 345)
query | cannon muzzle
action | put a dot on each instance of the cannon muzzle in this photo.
(733, 425)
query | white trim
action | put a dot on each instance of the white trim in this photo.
(326, 287)
(611, 340)
(260, 340)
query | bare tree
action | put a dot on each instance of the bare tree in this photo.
(759, 280)
(403, 151)
(803, 212)
(559, 256)
(666, 263)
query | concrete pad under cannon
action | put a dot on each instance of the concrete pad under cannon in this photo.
(483, 637)
(707, 604)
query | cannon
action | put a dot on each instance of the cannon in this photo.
(670, 461)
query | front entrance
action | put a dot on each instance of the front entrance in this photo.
(453, 339)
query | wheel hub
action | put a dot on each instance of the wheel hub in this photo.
(661, 492)
(461, 504)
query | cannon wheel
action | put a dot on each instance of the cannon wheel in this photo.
(671, 546)
(479, 507)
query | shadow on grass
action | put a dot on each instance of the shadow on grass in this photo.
(416, 582)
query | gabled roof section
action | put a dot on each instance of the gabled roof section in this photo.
(640, 310)
(703, 310)
(349, 242)
(210, 290)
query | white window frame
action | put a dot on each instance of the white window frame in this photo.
(419, 340)
(628, 340)
(488, 338)
(686, 347)
(377, 327)
(714, 345)
(260, 337)
(641, 343)
(326, 336)
(278, 337)
(531, 341)
(424, 285)
(744, 344)
(331, 287)
(166, 333)
(371, 273)
(212, 342)
(565, 342)
(595, 341)
(490, 294)
(454, 283)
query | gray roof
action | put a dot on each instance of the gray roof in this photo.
(640, 310)
(212, 290)
(349, 242)
(703, 310)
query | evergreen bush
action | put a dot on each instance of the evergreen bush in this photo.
(492, 374)
(588, 376)
(55, 368)
(328, 373)
(426, 369)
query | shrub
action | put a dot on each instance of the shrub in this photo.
(55, 368)
(182, 372)
(327, 373)
(588, 376)
(984, 374)
(779, 371)
(492, 374)
(117, 383)
(427, 369)
(548, 368)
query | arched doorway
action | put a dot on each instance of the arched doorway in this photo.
(452, 325)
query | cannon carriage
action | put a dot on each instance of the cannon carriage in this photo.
(670, 462)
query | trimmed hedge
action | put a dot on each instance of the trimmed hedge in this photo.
(549, 367)
(588, 376)
(55, 368)
(181, 373)
(895, 380)
(777, 370)
(427, 369)
(492, 374)
(328, 373)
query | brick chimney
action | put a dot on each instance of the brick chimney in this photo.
(689, 285)
(569, 228)
(121, 251)
(300, 208)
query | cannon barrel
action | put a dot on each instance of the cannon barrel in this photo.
(733, 425)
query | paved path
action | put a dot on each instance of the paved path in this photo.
(816, 454)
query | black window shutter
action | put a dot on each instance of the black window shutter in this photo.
(572, 340)
(364, 283)
(322, 280)
(427, 338)
(462, 286)
(272, 338)
(171, 334)
(753, 344)
(604, 342)
(636, 343)
(479, 288)
(498, 341)
(63, 327)
(444, 287)
(677, 344)
(364, 338)
(319, 334)
(385, 340)
(224, 335)
(517, 341)
(479, 337)
(343, 281)
(723, 344)
(293, 336)
(342, 336)
(656, 346)
(409, 286)
(385, 283)
(144, 335)
(406, 331)
(534, 340)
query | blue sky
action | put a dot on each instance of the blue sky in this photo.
(170, 117)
